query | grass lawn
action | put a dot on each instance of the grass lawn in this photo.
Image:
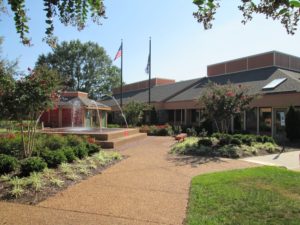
(256, 196)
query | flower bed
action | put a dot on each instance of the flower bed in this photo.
(225, 145)
(56, 163)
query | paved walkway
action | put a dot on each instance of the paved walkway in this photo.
(149, 187)
(290, 160)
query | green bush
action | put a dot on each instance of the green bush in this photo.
(92, 148)
(228, 151)
(247, 140)
(235, 141)
(113, 126)
(32, 164)
(81, 151)
(225, 139)
(191, 132)
(55, 142)
(268, 139)
(205, 142)
(217, 135)
(73, 140)
(259, 139)
(8, 164)
(11, 146)
(54, 158)
(69, 153)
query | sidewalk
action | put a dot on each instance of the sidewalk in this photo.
(149, 187)
(290, 160)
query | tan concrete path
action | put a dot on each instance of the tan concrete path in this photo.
(149, 187)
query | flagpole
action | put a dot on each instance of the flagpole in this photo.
(149, 82)
(121, 73)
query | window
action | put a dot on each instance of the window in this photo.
(265, 120)
(274, 83)
(251, 120)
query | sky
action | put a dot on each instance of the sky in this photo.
(181, 48)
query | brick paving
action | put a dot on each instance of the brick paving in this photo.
(149, 187)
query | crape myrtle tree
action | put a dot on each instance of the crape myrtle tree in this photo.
(83, 67)
(286, 11)
(223, 102)
(25, 100)
(77, 12)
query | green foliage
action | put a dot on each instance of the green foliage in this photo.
(71, 12)
(35, 181)
(55, 141)
(134, 112)
(258, 196)
(205, 142)
(8, 164)
(188, 145)
(69, 153)
(292, 124)
(17, 186)
(81, 151)
(222, 102)
(191, 132)
(113, 126)
(56, 182)
(66, 168)
(287, 11)
(54, 158)
(73, 140)
(92, 148)
(11, 146)
(158, 130)
(235, 141)
(32, 164)
(83, 67)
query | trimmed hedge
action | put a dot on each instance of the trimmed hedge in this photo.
(8, 164)
(32, 164)
(92, 148)
(205, 142)
(81, 151)
(69, 153)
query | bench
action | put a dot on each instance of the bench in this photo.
(180, 137)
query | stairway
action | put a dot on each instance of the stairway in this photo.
(118, 138)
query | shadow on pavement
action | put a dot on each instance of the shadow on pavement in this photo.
(193, 161)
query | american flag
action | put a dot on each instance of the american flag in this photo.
(119, 53)
(147, 70)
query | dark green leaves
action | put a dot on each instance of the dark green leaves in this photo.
(69, 12)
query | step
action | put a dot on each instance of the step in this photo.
(116, 134)
(117, 142)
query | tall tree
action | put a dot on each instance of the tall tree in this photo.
(286, 11)
(83, 67)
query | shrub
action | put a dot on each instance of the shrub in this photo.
(81, 151)
(54, 142)
(32, 164)
(69, 153)
(247, 139)
(268, 139)
(11, 145)
(191, 132)
(54, 158)
(228, 151)
(162, 132)
(205, 142)
(73, 140)
(92, 148)
(259, 139)
(7, 164)
(217, 135)
(235, 141)
(292, 124)
(225, 139)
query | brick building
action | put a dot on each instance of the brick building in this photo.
(75, 109)
(275, 76)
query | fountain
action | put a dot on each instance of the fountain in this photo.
(117, 103)
(95, 103)
(75, 107)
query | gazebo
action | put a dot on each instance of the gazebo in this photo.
(75, 109)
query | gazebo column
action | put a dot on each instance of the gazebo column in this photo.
(59, 117)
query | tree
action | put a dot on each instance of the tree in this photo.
(76, 13)
(69, 12)
(222, 102)
(83, 67)
(292, 124)
(287, 11)
(134, 112)
(26, 99)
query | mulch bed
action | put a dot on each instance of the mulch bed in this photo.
(31, 197)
